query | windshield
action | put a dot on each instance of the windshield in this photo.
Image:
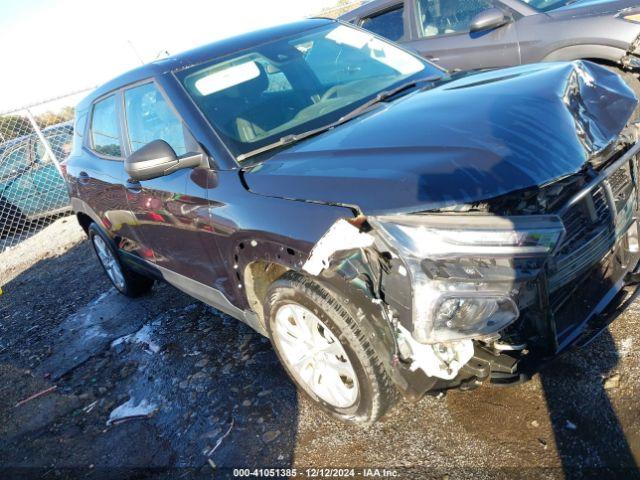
(547, 5)
(297, 84)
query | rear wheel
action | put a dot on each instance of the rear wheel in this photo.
(325, 351)
(128, 282)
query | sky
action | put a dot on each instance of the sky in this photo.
(52, 47)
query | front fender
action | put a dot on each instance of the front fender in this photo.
(605, 53)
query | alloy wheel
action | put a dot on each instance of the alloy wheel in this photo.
(109, 262)
(315, 355)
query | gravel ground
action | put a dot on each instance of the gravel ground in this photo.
(166, 382)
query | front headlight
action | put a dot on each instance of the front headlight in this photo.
(466, 270)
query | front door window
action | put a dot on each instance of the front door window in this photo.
(150, 117)
(445, 17)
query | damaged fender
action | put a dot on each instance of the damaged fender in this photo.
(340, 237)
(336, 256)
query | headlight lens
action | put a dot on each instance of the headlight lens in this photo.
(475, 315)
(466, 270)
(442, 236)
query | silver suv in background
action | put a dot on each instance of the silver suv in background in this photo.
(476, 34)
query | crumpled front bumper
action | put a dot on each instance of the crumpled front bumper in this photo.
(509, 369)
(512, 368)
(581, 288)
(586, 287)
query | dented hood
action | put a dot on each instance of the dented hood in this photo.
(467, 140)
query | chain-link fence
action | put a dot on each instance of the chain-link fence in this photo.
(34, 144)
(35, 141)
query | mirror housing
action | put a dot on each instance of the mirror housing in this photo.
(157, 159)
(488, 20)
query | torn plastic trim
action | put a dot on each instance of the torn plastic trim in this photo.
(443, 360)
(342, 236)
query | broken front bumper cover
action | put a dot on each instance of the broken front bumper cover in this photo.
(507, 369)
(582, 289)
(553, 273)
(588, 315)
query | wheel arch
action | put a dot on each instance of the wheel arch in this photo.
(592, 52)
(351, 280)
(85, 221)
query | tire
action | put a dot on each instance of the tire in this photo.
(126, 281)
(633, 82)
(375, 392)
(12, 220)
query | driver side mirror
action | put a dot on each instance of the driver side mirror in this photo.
(489, 19)
(157, 159)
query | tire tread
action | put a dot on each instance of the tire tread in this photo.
(384, 392)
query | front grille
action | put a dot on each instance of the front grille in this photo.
(621, 185)
(592, 226)
(589, 235)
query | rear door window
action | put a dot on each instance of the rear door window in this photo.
(105, 133)
(389, 24)
(150, 117)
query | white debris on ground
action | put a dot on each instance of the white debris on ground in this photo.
(626, 346)
(51, 241)
(130, 409)
(612, 382)
(142, 337)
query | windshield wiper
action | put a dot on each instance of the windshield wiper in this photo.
(379, 98)
(385, 95)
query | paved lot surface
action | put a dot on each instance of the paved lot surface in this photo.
(205, 391)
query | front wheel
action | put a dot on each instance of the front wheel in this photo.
(325, 351)
(128, 282)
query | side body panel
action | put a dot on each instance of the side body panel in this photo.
(99, 183)
(170, 216)
(568, 37)
(468, 51)
(198, 225)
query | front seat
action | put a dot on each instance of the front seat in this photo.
(250, 93)
(234, 105)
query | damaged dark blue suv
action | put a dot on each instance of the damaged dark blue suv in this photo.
(390, 227)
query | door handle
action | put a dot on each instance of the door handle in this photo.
(83, 178)
(133, 186)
